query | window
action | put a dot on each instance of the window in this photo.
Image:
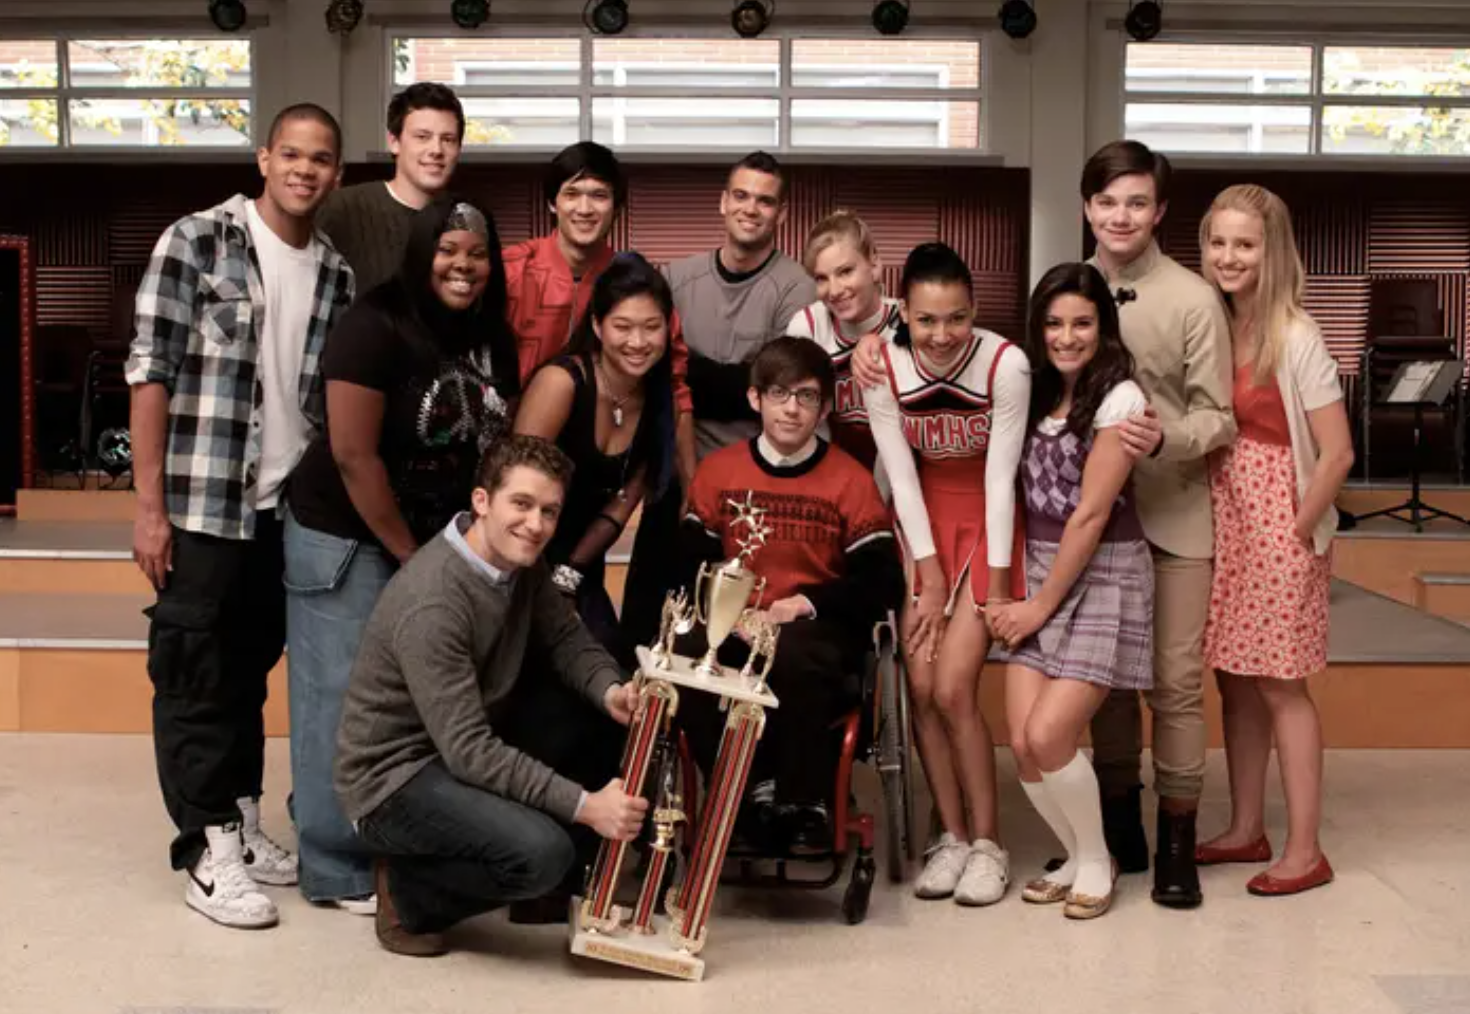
(125, 93)
(1300, 99)
(707, 93)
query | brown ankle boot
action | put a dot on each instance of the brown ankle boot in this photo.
(391, 933)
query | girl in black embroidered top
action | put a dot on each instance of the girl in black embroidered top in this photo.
(608, 403)
(419, 373)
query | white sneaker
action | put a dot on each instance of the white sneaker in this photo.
(265, 861)
(986, 876)
(945, 866)
(366, 905)
(220, 888)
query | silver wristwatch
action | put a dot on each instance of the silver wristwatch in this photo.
(568, 579)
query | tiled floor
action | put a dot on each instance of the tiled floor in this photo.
(92, 922)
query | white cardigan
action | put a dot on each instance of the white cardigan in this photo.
(1307, 379)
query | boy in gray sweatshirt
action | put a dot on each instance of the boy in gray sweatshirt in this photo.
(440, 765)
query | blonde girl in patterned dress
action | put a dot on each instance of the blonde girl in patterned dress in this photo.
(1272, 492)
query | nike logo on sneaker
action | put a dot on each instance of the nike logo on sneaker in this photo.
(249, 856)
(208, 889)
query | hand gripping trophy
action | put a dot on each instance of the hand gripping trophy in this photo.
(722, 602)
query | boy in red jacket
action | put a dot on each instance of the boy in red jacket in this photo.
(549, 280)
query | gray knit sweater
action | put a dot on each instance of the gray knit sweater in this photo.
(437, 665)
(368, 226)
(728, 323)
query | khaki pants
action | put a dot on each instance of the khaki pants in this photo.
(1181, 604)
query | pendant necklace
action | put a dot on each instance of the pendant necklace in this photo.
(617, 402)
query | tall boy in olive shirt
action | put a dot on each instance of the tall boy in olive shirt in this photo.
(368, 222)
(1174, 324)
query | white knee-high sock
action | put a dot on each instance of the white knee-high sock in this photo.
(1057, 821)
(1074, 789)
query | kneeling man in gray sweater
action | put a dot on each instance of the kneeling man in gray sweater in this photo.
(438, 759)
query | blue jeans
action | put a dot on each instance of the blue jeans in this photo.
(332, 585)
(454, 851)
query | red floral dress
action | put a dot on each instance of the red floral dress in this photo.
(1268, 601)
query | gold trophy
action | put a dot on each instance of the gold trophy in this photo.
(723, 596)
(722, 593)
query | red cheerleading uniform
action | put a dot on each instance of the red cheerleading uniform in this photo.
(849, 418)
(966, 426)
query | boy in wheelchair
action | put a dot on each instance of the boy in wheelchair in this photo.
(832, 571)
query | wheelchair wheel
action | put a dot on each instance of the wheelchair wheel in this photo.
(859, 890)
(895, 764)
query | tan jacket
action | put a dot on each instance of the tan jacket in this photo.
(1176, 328)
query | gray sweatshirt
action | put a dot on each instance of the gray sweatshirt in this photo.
(438, 663)
(728, 322)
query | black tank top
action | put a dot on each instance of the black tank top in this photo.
(598, 476)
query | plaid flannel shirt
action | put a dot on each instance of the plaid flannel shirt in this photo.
(199, 313)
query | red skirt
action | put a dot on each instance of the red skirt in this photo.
(954, 495)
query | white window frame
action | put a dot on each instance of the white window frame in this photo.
(1316, 98)
(64, 93)
(784, 92)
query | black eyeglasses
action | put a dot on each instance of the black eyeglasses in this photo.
(806, 397)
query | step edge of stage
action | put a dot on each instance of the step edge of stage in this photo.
(73, 644)
(1443, 578)
(74, 555)
(1408, 533)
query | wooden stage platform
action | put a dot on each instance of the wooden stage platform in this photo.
(73, 637)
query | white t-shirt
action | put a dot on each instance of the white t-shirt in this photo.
(1119, 405)
(289, 277)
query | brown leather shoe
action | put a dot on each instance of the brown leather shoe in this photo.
(391, 934)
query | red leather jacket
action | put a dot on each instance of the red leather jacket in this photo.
(544, 304)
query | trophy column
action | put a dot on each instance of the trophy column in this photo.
(695, 896)
(658, 701)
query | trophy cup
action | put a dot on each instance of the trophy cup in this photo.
(722, 593)
(670, 945)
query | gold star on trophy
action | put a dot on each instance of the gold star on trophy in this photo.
(753, 518)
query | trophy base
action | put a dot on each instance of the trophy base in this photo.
(647, 952)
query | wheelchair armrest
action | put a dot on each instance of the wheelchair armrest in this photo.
(885, 635)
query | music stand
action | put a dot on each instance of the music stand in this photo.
(1421, 383)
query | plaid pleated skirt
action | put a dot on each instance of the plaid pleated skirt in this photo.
(1103, 632)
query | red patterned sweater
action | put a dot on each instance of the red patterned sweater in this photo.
(830, 538)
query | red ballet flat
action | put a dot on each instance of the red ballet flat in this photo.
(1266, 886)
(1258, 851)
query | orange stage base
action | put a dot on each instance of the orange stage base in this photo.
(82, 681)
